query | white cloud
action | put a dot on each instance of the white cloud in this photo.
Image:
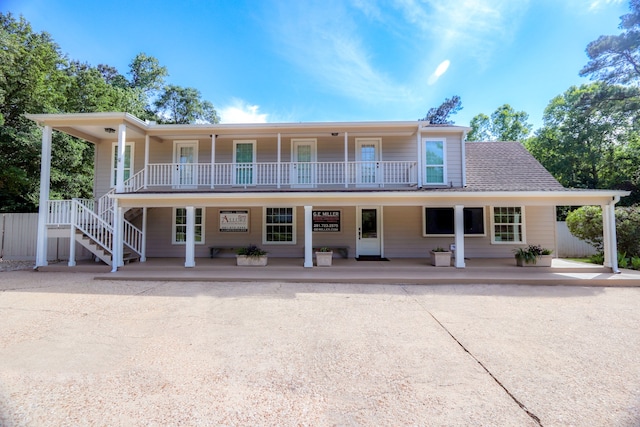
(241, 112)
(440, 70)
(595, 5)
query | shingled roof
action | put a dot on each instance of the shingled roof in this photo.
(506, 166)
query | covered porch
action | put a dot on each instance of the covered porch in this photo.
(416, 271)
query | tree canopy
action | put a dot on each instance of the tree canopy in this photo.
(505, 124)
(616, 59)
(441, 115)
(35, 77)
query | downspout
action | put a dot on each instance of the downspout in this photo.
(464, 159)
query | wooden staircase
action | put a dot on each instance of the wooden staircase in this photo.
(100, 252)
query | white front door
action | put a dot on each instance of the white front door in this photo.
(368, 161)
(185, 157)
(369, 224)
(303, 166)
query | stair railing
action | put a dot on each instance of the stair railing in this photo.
(91, 225)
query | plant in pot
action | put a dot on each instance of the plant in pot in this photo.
(440, 257)
(251, 255)
(533, 255)
(324, 257)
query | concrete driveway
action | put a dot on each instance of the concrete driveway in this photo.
(75, 351)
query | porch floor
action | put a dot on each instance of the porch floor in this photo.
(395, 271)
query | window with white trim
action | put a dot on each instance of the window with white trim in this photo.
(507, 224)
(440, 221)
(128, 161)
(279, 225)
(180, 226)
(435, 161)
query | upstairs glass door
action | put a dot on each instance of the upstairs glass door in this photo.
(303, 163)
(186, 158)
(244, 157)
(368, 161)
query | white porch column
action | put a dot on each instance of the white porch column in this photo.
(278, 169)
(609, 236)
(146, 161)
(213, 159)
(72, 235)
(143, 244)
(346, 159)
(122, 136)
(419, 154)
(116, 249)
(459, 235)
(43, 209)
(308, 237)
(190, 243)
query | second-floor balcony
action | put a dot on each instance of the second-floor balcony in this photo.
(315, 175)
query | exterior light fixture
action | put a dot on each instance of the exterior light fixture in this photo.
(334, 133)
(109, 130)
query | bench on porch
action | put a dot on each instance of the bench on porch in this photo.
(215, 250)
(342, 250)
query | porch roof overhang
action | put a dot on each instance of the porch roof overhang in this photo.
(91, 127)
(385, 198)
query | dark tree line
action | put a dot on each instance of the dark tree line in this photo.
(36, 77)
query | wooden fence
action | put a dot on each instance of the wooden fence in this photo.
(569, 246)
(18, 240)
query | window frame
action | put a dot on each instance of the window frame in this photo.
(522, 223)
(265, 225)
(174, 226)
(424, 221)
(114, 152)
(426, 165)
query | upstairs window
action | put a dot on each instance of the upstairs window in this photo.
(434, 161)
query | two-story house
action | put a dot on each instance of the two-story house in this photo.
(376, 189)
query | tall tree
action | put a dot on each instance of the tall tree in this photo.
(584, 142)
(30, 72)
(146, 73)
(505, 124)
(183, 105)
(616, 59)
(441, 115)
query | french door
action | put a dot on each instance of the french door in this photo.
(244, 159)
(303, 166)
(185, 157)
(368, 161)
(369, 225)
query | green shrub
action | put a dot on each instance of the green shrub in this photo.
(586, 223)
(623, 261)
(597, 258)
(635, 262)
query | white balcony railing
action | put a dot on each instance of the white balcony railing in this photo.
(292, 174)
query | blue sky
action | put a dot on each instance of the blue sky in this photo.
(350, 60)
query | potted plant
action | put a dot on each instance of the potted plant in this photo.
(533, 255)
(440, 257)
(324, 257)
(251, 256)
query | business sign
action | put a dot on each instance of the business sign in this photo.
(326, 221)
(234, 221)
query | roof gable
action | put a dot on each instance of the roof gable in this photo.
(505, 166)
